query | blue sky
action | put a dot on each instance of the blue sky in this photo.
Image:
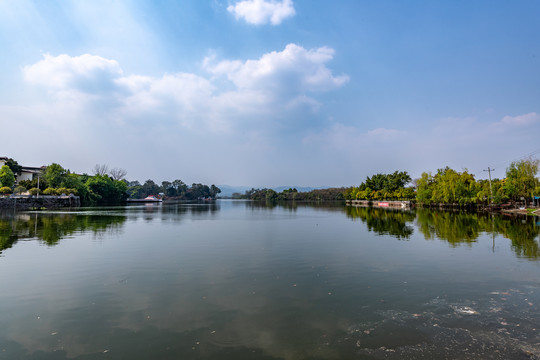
(269, 93)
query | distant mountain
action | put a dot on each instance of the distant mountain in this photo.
(300, 189)
(228, 190)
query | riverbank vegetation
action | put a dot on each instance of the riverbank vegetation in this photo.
(453, 187)
(383, 187)
(105, 187)
(446, 186)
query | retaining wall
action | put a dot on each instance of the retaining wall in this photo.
(39, 202)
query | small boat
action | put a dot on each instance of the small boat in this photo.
(148, 199)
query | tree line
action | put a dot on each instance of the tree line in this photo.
(383, 187)
(454, 187)
(270, 195)
(175, 190)
(446, 186)
(105, 186)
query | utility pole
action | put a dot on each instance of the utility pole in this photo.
(490, 189)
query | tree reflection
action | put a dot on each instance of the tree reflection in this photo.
(460, 227)
(51, 228)
(523, 233)
(454, 227)
(391, 222)
(294, 205)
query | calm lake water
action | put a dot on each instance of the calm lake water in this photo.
(238, 280)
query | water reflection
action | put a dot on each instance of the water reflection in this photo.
(393, 222)
(51, 228)
(243, 280)
(465, 228)
(457, 228)
(292, 205)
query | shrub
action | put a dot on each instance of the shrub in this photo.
(19, 190)
(7, 178)
(34, 191)
(5, 190)
(49, 191)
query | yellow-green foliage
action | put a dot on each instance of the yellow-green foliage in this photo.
(49, 191)
(34, 191)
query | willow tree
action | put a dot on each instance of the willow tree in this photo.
(521, 178)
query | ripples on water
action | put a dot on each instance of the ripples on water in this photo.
(240, 280)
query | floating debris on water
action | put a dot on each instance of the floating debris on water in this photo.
(465, 310)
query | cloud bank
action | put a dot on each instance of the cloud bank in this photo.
(260, 12)
(237, 115)
(242, 110)
(230, 91)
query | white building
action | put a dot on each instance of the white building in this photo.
(27, 172)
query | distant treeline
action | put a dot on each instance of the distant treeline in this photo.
(177, 190)
(447, 186)
(330, 194)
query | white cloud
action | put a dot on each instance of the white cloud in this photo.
(277, 83)
(520, 120)
(86, 73)
(237, 110)
(260, 12)
(294, 69)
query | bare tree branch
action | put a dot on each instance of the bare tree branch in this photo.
(118, 173)
(100, 169)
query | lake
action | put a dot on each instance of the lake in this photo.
(242, 280)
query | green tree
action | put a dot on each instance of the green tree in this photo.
(14, 166)
(7, 178)
(180, 187)
(521, 178)
(214, 190)
(424, 188)
(105, 190)
(150, 188)
(54, 175)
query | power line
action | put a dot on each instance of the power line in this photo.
(490, 188)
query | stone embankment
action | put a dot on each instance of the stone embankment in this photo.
(28, 202)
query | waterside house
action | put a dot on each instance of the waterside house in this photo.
(27, 172)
